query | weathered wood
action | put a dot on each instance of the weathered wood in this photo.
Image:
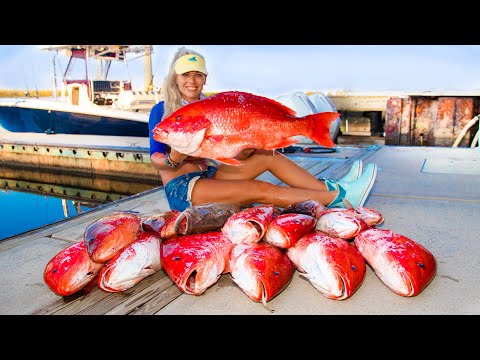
(149, 300)
(97, 302)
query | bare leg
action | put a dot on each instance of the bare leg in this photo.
(247, 192)
(278, 164)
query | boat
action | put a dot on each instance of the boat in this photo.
(312, 103)
(89, 102)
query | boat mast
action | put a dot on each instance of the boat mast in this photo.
(147, 84)
(54, 76)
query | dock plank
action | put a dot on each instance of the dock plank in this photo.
(98, 301)
(149, 300)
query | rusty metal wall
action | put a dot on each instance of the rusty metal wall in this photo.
(429, 121)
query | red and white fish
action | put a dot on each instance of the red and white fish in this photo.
(261, 270)
(195, 262)
(332, 265)
(403, 265)
(222, 125)
(70, 270)
(370, 216)
(162, 224)
(248, 225)
(132, 264)
(342, 224)
(310, 207)
(286, 229)
(105, 237)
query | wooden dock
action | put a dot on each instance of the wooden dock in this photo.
(23, 258)
(117, 156)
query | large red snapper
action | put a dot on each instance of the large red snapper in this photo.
(402, 264)
(105, 237)
(70, 270)
(332, 265)
(132, 264)
(222, 125)
(195, 262)
(261, 270)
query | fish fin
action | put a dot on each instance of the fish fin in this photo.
(284, 143)
(320, 128)
(229, 161)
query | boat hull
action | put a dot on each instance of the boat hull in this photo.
(24, 119)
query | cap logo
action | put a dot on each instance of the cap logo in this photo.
(193, 58)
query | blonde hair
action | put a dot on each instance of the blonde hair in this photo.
(171, 94)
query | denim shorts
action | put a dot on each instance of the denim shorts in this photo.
(179, 189)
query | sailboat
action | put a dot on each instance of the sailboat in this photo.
(89, 102)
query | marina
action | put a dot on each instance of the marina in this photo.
(67, 162)
(418, 191)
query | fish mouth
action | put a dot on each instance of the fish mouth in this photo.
(190, 282)
(404, 287)
(339, 292)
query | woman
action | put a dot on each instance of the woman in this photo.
(194, 181)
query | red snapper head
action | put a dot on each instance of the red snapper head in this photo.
(70, 270)
(105, 237)
(332, 265)
(184, 130)
(261, 270)
(402, 264)
(131, 265)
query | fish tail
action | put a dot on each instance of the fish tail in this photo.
(319, 129)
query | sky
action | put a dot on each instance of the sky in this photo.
(274, 70)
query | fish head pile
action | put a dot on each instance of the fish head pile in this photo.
(195, 262)
(132, 264)
(105, 237)
(332, 265)
(402, 264)
(222, 125)
(70, 270)
(286, 229)
(248, 225)
(261, 270)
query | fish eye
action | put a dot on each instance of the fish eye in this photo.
(353, 267)
(179, 117)
(275, 273)
(421, 265)
(176, 258)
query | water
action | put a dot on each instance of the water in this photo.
(23, 211)
(30, 199)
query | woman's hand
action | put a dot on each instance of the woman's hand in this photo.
(177, 157)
